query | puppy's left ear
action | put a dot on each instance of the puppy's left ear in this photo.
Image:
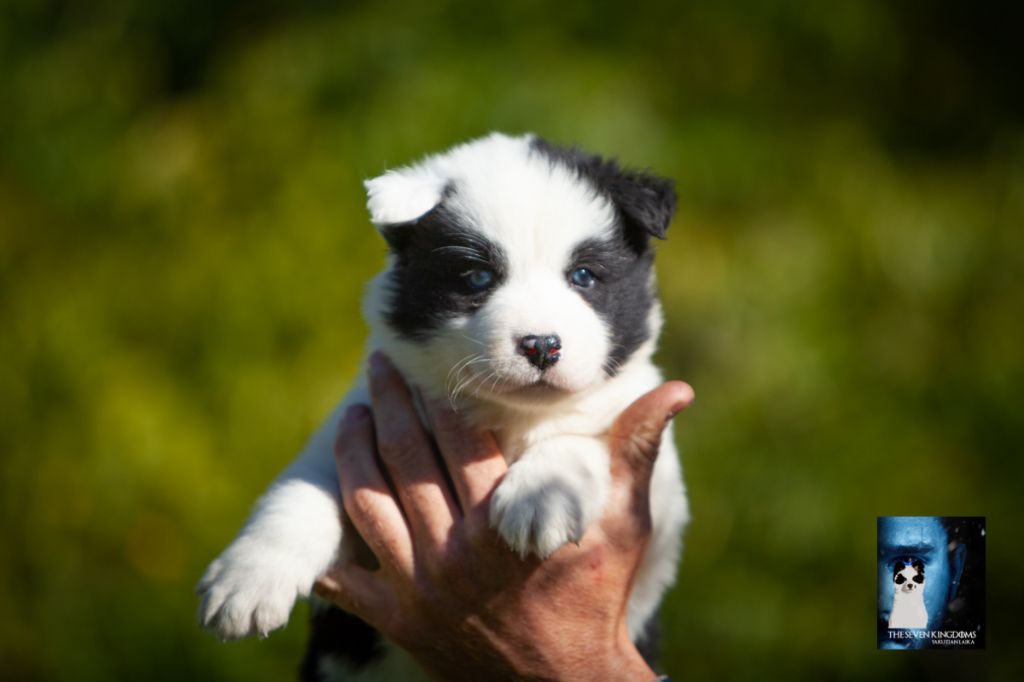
(646, 202)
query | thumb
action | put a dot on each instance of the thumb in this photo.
(636, 435)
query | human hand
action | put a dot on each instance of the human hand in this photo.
(448, 590)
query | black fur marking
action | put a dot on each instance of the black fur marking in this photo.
(645, 203)
(622, 295)
(900, 579)
(427, 284)
(339, 636)
(918, 578)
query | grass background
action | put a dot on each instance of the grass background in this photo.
(183, 242)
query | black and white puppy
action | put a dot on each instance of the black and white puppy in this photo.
(908, 609)
(520, 284)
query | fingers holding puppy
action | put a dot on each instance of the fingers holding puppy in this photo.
(407, 454)
(474, 461)
(365, 493)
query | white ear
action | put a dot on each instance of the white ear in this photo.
(400, 196)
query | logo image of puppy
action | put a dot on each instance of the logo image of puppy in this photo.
(908, 610)
(519, 285)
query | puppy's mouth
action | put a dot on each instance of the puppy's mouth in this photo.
(511, 380)
(539, 387)
(542, 389)
(537, 394)
(485, 382)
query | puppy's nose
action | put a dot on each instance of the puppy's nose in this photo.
(541, 351)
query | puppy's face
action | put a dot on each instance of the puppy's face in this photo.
(908, 576)
(519, 272)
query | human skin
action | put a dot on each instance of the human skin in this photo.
(447, 589)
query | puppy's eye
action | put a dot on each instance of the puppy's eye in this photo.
(583, 278)
(479, 279)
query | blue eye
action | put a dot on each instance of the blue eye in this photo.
(583, 278)
(478, 280)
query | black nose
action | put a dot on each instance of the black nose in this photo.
(541, 351)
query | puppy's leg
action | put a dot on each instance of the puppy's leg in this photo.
(551, 494)
(290, 539)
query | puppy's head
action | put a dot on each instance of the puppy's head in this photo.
(908, 576)
(519, 272)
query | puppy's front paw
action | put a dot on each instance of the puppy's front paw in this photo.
(250, 590)
(537, 510)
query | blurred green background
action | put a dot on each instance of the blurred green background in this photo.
(183, 243)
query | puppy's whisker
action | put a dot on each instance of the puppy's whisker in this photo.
(464, 383)
(453, 398)
(456, 370)
(480, 378)
(472, 340)
(464, 363)
(494, 385)
(453, 369)
(458, 366)
(452, 389)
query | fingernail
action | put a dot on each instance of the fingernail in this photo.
(356, 413)
(680, 406)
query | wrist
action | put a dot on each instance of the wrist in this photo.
(602, 658)
(613, 660)
(630, 665)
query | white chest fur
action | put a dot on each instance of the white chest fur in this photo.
(908, 610)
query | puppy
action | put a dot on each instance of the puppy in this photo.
(519, 286)
(908, 610)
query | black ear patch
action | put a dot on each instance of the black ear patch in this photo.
(397, 235)
(646, 203)
(918, 566)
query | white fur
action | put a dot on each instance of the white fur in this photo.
(400, 197)
(908, 610)
(552, 428)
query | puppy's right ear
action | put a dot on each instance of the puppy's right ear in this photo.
(401, 196)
